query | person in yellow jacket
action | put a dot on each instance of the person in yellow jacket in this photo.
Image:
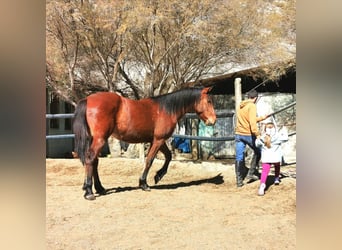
(246, 131)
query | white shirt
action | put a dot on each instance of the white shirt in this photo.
(272, 154)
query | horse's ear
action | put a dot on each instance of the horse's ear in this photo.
(207, 90)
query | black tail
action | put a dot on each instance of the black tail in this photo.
(81, 130)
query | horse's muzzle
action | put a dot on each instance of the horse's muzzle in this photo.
(210, 122)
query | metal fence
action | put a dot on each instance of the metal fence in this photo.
(189, 115)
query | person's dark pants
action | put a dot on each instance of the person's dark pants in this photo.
(240, 145)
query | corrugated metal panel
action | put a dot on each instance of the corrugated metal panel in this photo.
(224, 127)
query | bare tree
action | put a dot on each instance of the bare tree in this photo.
(144, 48)
(62, 52)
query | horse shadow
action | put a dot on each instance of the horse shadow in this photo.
(216, 180)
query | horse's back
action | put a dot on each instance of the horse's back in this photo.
(126, 119)
(135, 121)
(103, 99)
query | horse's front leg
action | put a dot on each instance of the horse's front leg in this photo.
(168, 156)
(149, 160)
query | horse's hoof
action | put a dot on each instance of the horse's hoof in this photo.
(146, 188)
(143, 185)
(156, 179)
(89, 197)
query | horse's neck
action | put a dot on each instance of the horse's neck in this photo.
(182, 112)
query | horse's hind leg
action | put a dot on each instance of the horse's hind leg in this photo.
(91, 163)
(97, 183)
(168, 156)
(88, 181)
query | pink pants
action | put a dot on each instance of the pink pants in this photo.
(266, 169)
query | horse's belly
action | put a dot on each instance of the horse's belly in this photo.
(134, 133)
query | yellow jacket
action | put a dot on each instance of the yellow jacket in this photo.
(246, 122)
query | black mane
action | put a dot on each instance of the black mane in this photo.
(179, 100)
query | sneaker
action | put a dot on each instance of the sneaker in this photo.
(262, 189)
(276, 181)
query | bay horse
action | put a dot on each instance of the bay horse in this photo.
(151, 120)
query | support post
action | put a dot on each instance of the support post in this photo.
(238, 95)
(142, 152)
(194, 143)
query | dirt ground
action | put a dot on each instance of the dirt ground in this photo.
(195, 206)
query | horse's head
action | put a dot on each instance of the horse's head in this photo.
(205, 109)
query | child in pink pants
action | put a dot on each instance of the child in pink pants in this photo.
(270, 142)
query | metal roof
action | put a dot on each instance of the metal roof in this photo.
(250, 78)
